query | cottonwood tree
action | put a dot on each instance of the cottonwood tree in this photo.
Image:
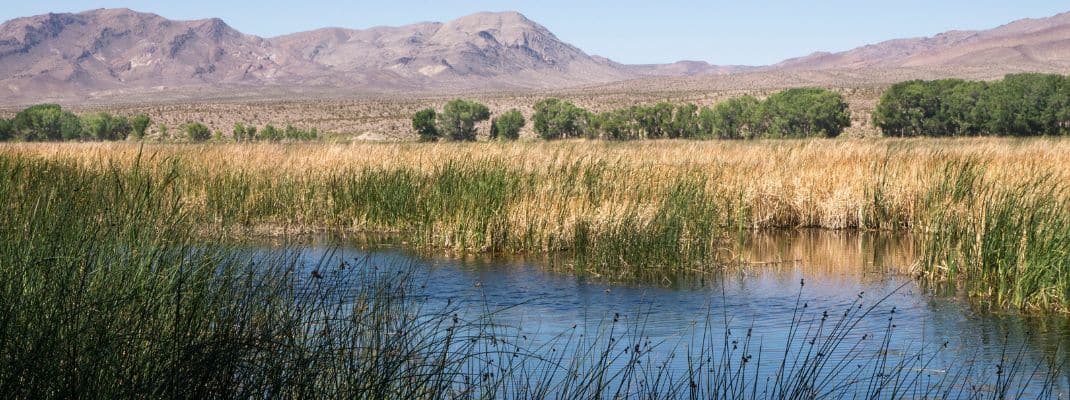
(423, 122)
(508, 125)
(559, 119)
(459, 118)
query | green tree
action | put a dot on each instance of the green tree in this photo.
(559, 119)
(423, 122)
(250, 133)
(46, 122)
(804, 112)
(617, 124)
(508, 125)
(7, 130)
(140, 124)
(732, 119)
(239, 131)
(1024, 105)
(685, 123)
(270, 133)
(197, 132)
(459, 118)
(104, 126)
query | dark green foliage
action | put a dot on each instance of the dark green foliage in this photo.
(791, 113)
(197, 132)
(239, 132)
(655, 120)
(104, 126)
(7, 130)
(559, 119)
(617, 124)
(270, 133)
(1018, 105)
(508, 125)
(292, 133)
(459, 118)
(140, 124)
(424, 125)
(1027, 105)
(732, 119)
(804, 112)
(46, 122)
(685, 122)
(934, 108)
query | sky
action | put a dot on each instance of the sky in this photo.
(630, 31)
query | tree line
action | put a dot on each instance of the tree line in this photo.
(793, 113)
(457, 122)
(50, 122)
(1018, 105)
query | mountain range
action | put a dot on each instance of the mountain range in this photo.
(109, 52)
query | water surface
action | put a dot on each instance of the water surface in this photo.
(771, 283)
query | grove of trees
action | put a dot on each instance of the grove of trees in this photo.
(458, 120)
(1018, 105)
(50, 122)
(793, 113)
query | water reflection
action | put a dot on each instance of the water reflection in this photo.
(777, 275)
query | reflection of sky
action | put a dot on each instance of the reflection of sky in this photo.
(545, 304)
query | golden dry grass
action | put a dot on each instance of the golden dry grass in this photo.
(991, 211)
(811, 183)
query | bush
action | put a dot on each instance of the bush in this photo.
(140, 124)
(423, 122)
(197, 132)
(459, 117)
(270, 133)
(104, 126)
(508, 125)
(559, 119)
(46, 122)
(7, 130)
(238, 132)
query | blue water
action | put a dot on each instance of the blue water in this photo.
(771, 285)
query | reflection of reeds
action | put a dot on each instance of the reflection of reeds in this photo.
(111, 288)
(631, 210)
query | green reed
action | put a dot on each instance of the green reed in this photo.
(1006, 245)
(111, 287)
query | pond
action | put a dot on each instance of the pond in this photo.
(778, 286)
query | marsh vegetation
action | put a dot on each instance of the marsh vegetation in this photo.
(120, 280)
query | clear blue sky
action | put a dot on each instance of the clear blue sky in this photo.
(630, 31)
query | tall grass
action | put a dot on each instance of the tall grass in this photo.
(1006, 244)
(111, 287)
(990, 211)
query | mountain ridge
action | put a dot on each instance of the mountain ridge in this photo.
(106, 52)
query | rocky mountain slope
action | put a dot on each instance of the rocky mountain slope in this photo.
(111, 53)
(1021, 45)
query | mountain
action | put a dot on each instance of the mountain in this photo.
(116, 50)
(1027, 44)
(488, 49)
(110, 53)
(107, 49)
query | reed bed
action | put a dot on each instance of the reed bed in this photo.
(989, 209)
(112, 287)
